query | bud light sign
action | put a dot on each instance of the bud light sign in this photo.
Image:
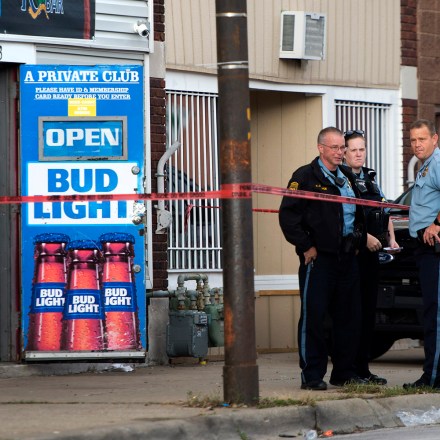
(83, 261)
(84, 304)
(79, 178)
(48, 297)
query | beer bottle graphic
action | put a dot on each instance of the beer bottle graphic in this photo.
(119, 292)
(48, 292)
(83, 318)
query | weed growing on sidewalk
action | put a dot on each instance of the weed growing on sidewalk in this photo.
(379, 391)
(346, 392)
(273, 402)
(196, 401)
(243, 435)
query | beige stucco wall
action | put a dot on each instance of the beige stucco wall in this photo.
(363, 50)
(284, 127)
(276, 319)
(281, 125)
(363, 41)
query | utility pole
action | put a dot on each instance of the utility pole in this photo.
(240, 373)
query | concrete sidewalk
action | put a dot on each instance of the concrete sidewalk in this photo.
(153, 401)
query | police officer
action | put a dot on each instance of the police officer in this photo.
(424, 223)
(380, 233)
(326, 236)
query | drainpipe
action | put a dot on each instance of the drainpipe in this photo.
(163, 216)
(411, 175)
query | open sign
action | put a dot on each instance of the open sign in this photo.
(103, 138)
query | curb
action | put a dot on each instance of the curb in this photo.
(340, 416)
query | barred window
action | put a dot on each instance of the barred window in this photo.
(195, 233)
(373, 119)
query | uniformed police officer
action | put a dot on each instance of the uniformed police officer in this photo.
(424, 223)
(326, 236)
(380, 233)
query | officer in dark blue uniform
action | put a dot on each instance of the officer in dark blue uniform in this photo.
(424, 224)
(326, 236)
(380, 234)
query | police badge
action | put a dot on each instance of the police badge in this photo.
(294, 186)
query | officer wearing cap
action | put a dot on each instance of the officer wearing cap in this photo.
(326, 236)
(424, 224)
(380, 233)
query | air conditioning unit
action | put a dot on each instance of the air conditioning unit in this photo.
(302, 35)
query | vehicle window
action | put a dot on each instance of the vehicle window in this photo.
(405, 198)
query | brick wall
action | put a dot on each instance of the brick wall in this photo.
(408, 32)
(408, 35)
(428, 27)
(420, 40)
(158, 146)
(159, 20)
(409, 115)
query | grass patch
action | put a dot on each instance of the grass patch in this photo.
(243, 435)
(195, 401)
(380, 391)
(349, 391)
(274, 402)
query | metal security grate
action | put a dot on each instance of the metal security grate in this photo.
(195, 234)
(373, 119)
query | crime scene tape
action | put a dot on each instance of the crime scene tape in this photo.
(264, 189)
(227, 191)
(190, 207)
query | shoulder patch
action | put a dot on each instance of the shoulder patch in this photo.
(294, 186)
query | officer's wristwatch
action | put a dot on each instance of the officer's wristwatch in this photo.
(436, 222)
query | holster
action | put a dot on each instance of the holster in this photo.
(351, 242)
(377, 225)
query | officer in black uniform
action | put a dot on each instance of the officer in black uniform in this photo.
(380, 234)
(326, 236)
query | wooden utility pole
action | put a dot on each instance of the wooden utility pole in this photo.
(240, 373)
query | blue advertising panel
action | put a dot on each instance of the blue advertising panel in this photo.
(83, 293)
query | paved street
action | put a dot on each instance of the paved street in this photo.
(36, 406)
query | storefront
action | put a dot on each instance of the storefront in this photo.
(75, 79)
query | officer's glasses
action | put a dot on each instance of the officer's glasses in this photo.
(336, 148)
(349, 133)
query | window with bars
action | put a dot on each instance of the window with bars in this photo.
(373, 119)
(194, 238)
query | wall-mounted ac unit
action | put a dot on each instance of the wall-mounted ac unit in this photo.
(302, 35)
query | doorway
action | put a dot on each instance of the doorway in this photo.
(10, 334)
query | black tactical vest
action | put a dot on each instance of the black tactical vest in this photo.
(377, 219)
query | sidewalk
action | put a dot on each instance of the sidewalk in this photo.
(152, 401)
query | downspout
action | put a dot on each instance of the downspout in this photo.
(163, 216)
(411, 175)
